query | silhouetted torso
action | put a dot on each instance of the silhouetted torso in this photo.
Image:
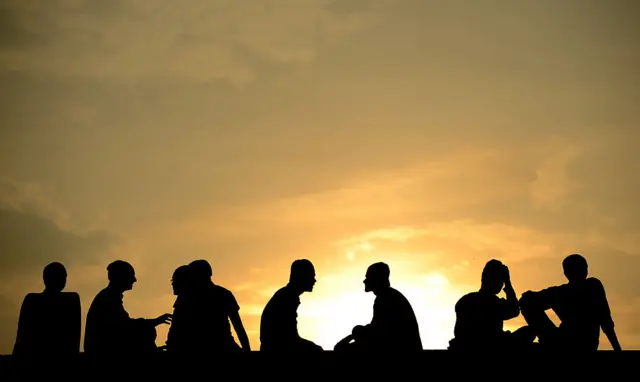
(279, 321)
(206, 315)
(394, 325)
(49, 325)
(179, 336)
(582, 308)
(110, 330)
(479, 320)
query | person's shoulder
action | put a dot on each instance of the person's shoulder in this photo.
(470, 299)
(70, 295)
(221, 290)
(31, 296)
(595, 283)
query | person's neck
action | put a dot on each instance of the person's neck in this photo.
(295, 288)
(115, 289)
(379, 291)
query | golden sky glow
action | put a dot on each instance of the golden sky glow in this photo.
(432, 135)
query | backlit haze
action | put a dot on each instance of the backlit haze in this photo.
(432, 135)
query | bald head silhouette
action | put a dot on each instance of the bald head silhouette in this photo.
(121, 275)
(377, 278)
(575, 268)
(54, 276)
(303, 275)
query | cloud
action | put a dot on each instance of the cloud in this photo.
(35, 232)
(204, 41)
(29, 242)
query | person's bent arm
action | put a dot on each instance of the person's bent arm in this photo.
(239, 328)
(511, 308)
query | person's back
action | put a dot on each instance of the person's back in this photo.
(49, 324)
(209, 311)
(279, 320)
(110, 331)
(395, 322)
(479, 320)
(582, 308)
(106, 330)
(581, 305)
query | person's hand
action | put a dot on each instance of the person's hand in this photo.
(164, 319)
(507, 274)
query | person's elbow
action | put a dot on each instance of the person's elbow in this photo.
(512, 312)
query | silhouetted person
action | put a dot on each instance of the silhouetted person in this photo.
(480, 315)
(50, 322)
(109, 329)
(581, 305)
(209, 309)
(394, 326)
(178, 336)
(279, 320)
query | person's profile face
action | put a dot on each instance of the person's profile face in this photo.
(128, 279)
(310, 280)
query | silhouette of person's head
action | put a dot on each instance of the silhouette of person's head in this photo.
(575, 268)
(180, 280)
(200, 272)
(377, 278)
(54, 277)
(303, 275)
(493, 276)
(121, 275)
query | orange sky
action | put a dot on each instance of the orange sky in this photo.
(433, 135)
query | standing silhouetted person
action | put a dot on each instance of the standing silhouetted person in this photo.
(480, 315)
(209, 309)
(178, 336)
(581, 305)
(279, 321)
(50, 322)
(109, 329)
(394, 327)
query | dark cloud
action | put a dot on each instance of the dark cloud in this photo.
(14, 34)
(29, 242)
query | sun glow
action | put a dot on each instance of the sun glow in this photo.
(339, 302)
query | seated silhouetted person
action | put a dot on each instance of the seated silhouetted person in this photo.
(394, 326)
(279, 321)
(50, 322)
(178, 336)
(207, 312)
(480, 315)
(581, 305)
(109, 329)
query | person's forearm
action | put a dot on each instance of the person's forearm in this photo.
(610, 332)
(244, 339)
(510, 292)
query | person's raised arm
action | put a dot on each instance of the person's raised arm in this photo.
(510, 307)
